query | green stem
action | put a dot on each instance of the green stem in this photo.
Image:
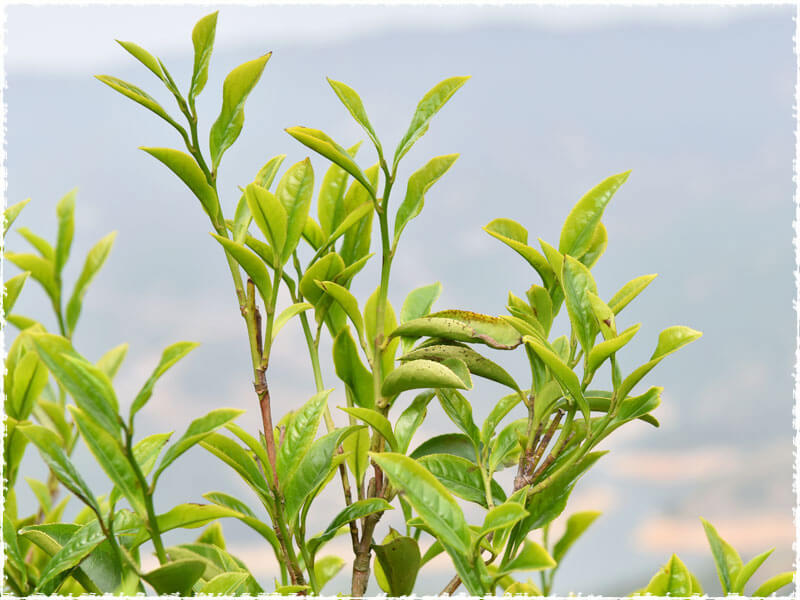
(308, 559)
(152, 521)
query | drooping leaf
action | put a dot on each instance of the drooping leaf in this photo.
(515, 236)
(232, 454)
(41, 269)
(185, 167)
(399, 560)
(321, 143)
(456, 444)
(458, 408)
(476, 363)
(418, 184)
(235, 90)
(137, 95)
(463, 326)
(375, 420)
(532, 557)
(251, 264)
(426, 109)
(176, 577)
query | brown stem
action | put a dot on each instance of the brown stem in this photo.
(547, 437)
(451, 587)
(531, 456)
(266, 417)
(361, 560)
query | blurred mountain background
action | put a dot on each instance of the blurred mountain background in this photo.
(697, 101)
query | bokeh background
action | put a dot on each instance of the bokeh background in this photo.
(696, 101)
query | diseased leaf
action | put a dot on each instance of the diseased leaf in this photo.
(235, 90)
(477, 364)
(420, 374)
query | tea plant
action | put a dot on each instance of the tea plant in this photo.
(273, 241)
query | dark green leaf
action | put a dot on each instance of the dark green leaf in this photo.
(176, 577)
(461, 477)
(357, 510)
(420, 374)
(400, 562)
(477, 364)
(351, 370)
(456, 444)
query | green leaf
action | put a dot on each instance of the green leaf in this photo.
(507, 445)
(294, 193)
(375, 420)
(146, 451)
(232, 454)
(13, 554)
(188, 516)
(604, 316)
(187, 170)
(426, 109)
(673, 579)
(670, 340)
(251, 264)
(578, 283)
(40, 269)
(195, 433)
(270, 217)
(88, 385)
(246, 516)
(410, 420)
(597, 246)
(502, 517)
(330, 202)
(497, 414)
(203, 41)
(515, 236)
(144, 57)
(579, 227)
(286, 315)
(11, 291)
(458, 408)
(93, 263)
(726, 558)
(312, 470)
(325, 269)
(348, 302)
(65, 212)
(266, 174)
(577, 524)
(111, 361)
(30, 377)
(11, 213)
(357, 510)
(420, 374)
(637, 407)
(562, 373)
(532, 557)
(355, 107)
(456, 444)
(461, 477)
(354, 217)
(137, 95)
(433, 503)
(111, 456)
(356, 448)
(357, 239)
(321, 143)
(176, 577)
(326, 568)
(171, 355)
(476, 363)
(351, 370)
(748, 571)
(49, 447)
(603, 350)
(389, 324)
(224, 584)
(41, 245)
(418, 304)
(772, 585)
(300, 434)
(629, 291)
(418, 184)
(235, 89)
(400, 561)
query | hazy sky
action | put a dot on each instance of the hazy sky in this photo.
(697, 101)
